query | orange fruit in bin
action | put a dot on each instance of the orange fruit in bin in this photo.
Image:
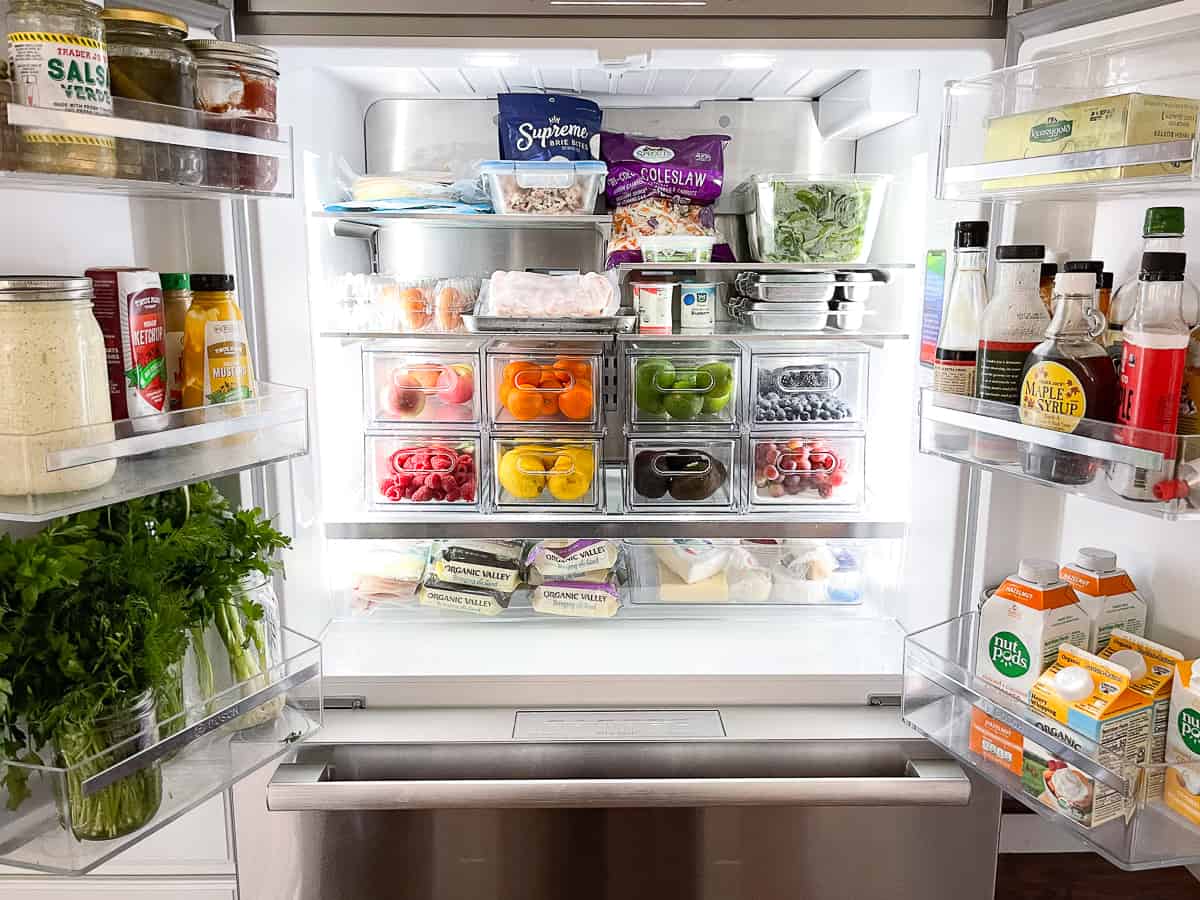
(515, 368)
(580, 369)
(576, 401)
(524, 405)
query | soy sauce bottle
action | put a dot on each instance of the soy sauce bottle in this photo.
(1068, 377)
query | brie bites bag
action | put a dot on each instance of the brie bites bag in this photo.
(662, 186)
(547, 127)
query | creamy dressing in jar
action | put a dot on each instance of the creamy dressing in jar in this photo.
(53, 382)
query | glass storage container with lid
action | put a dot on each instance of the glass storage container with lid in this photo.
(53, 384)
(149, 64)
(41, 35)
(236, 83)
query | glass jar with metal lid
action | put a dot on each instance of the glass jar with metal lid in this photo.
(53, 384)
(8, 136)
(237, 84)
(153, 78)
(59, 61)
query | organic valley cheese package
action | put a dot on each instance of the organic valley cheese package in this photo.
(1152, 667)
(1182, 791)
(1107, 595)
(1092, 697)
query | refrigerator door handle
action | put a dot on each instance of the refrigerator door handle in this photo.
(300, 787)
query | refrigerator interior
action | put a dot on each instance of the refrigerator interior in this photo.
(364, 104)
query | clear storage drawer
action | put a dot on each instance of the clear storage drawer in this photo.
(414, 388)
(548, 471)
(822, 389)
(681, 473)
(545, 388)
(807, 469)
(684, 389)
(422, 468)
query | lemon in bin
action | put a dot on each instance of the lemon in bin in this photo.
(522, 472)
(569, 476)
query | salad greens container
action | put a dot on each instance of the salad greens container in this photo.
(813, 219)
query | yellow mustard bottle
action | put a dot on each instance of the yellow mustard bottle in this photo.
(216, 353)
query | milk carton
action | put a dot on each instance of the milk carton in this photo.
(1106, 593)
(1092, 697)
(1152, 667)
(1023, 624)
(1182, 791)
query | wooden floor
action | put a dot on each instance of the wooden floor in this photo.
(1085, 876)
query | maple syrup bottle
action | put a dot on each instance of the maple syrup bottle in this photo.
(1068, 377)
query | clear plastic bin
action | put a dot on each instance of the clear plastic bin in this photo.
(544, 188)
(550, 471)
(823, 389)
(426, 469)
(539, 388)
(807, 469)
(813, 218)
(684, 389)
(413, 388)
(676, 248)
(681, 473)
(1014, 747)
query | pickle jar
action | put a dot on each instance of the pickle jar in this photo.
(41, 34)
(153, 77)
(236, 84)
(8, 136)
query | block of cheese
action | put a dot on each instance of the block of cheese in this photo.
(674, 589)
(692, 560)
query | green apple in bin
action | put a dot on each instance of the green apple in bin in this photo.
(682, 400)
(646, 393)
(721, 392)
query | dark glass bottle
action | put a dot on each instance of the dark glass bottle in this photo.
(1068, 377)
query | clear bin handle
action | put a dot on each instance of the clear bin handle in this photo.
(712, 381)
(684, 455)
(836, 377)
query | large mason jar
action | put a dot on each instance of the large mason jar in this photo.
(153, 77)
(54, 391)
(88, 748)
(8, 136)
(59, 61)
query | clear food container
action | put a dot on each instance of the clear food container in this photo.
(543, 388)
(823, 389)
(676, 248)
(788, 287)
(553, 472)
(414, 388)
(544, 188)
(807, 469)
(684, 389)
(433, 469)
(813, 218)
(681, 473)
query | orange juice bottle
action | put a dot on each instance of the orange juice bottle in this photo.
(216, 352)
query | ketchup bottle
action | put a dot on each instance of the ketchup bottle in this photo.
(1153, 359)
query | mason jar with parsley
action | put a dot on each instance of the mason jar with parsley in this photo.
(59, 61)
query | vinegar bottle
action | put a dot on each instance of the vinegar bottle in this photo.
(1067, 377)
(954, 361)
(1153, 357)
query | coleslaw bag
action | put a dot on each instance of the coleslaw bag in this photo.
(662, 186)
(547, 127)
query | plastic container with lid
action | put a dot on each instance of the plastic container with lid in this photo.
(236, 83)
(40, 34)
(153, 79)
(544, 188)
(677, 248)
(53, 384)
(813, 218)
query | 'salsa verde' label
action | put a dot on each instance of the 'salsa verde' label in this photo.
(1009, 654)
(1052, 396)
(1051, 131)
(1189, 728)
(65, 72)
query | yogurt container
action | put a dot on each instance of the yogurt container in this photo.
(698, 305)
(652, 300)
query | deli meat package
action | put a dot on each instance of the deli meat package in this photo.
(532, 295)
(662, 186)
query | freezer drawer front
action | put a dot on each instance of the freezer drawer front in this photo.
(794, 834)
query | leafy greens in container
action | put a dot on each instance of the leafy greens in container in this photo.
(814, 220)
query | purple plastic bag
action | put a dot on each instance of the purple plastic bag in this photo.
(691, 168)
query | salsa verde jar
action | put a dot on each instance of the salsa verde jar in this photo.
(153, 77)
(53, 384)
(59, 61)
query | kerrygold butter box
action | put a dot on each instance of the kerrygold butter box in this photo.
(1120, 121)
